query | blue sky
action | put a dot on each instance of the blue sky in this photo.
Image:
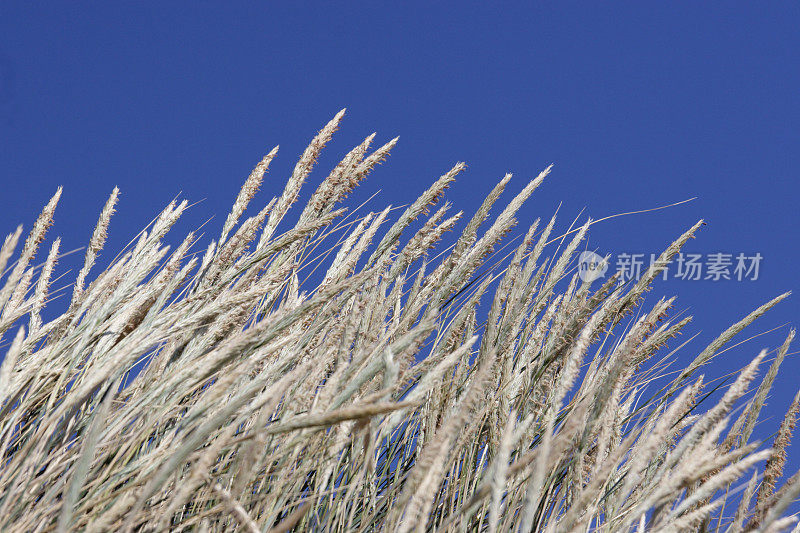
(638, 104)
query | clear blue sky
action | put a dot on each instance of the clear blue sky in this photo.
(638, 104)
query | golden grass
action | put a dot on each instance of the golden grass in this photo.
(379, 399)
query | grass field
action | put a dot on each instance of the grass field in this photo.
(415, 387)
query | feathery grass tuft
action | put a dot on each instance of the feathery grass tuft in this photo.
(233, 393)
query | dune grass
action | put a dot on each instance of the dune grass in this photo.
(214, 389)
